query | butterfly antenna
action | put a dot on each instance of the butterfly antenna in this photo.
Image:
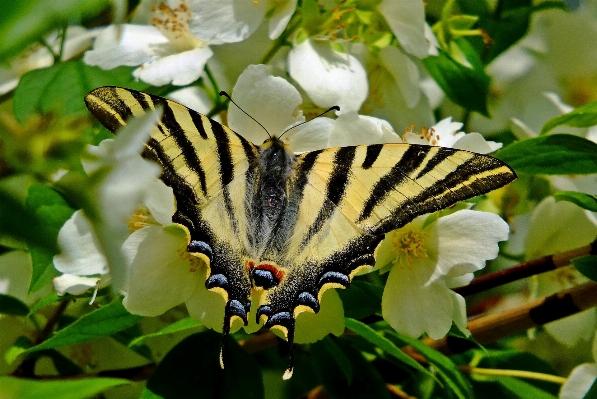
(223, 93)
(335, 108)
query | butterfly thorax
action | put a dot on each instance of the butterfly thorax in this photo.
(269, 197)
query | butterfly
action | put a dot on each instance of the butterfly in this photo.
(290, 225)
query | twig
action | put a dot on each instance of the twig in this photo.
(487, 329)
(526, 269)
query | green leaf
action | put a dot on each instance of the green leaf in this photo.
(366, 381)
(383, 343)
(585, 116)
(106, 320)
(524, 390)
(18, 222)
(585, 201)
(466, 86)
(26, 21)
(180, 325)
(192, 370)
(332, 351)
(42, 90)
(587, 265)
(17, 388)
(361, 300)
(53, 211)
(13, 306)
(446, 369)
(557, 154)
(49, 299)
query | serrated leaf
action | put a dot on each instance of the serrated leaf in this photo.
(108, 319)
(26, 21)
(17, 388)
(42, 90)
(446, 369)
(466, 86)
(587, 266)
(585, 116)
(180, 325)
(585, 201)
(383, 343)
(12, 306)
(192, 370)
(557, 154)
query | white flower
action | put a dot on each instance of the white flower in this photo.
(406, 19)
(398, 90)
(38, 56)
(446, 133)
(580, 379)
(170, 40)
(426, 260)
(328, 76)
(121, 180)
(275, 103)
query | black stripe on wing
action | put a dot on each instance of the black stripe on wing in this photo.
(410, 161)
(335, 190)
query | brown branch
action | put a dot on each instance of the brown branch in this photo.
(526, 269)
(487, 329)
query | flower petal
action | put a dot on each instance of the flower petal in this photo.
(407, 21)
(353, 129)
(280, 18)
(412, 306)
(269, 99)
(579, 382)
(159, 277)
(466, 239)
(226, 21)
(74, 285)
(179, 69)
(329, 77)
(160, 202)
(124, 45)
(80, 251)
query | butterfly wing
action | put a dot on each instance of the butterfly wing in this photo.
(343, 200)
(211, 170)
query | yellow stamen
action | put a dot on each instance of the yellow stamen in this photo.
(409, 245)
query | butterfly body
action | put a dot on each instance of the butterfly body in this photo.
(289, 226)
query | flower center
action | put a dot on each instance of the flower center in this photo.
(141, 218)
(174, 24)
(409, 245)
(428, 134)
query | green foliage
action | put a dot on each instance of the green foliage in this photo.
(585, 201)
(107, 320)
(23, 22)
(587, 265)
(191, 369)
(42, 91)
(557, 154)
(585, 116)
(466, 85)
(53, 211)
(11, 387)
(11, 305)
